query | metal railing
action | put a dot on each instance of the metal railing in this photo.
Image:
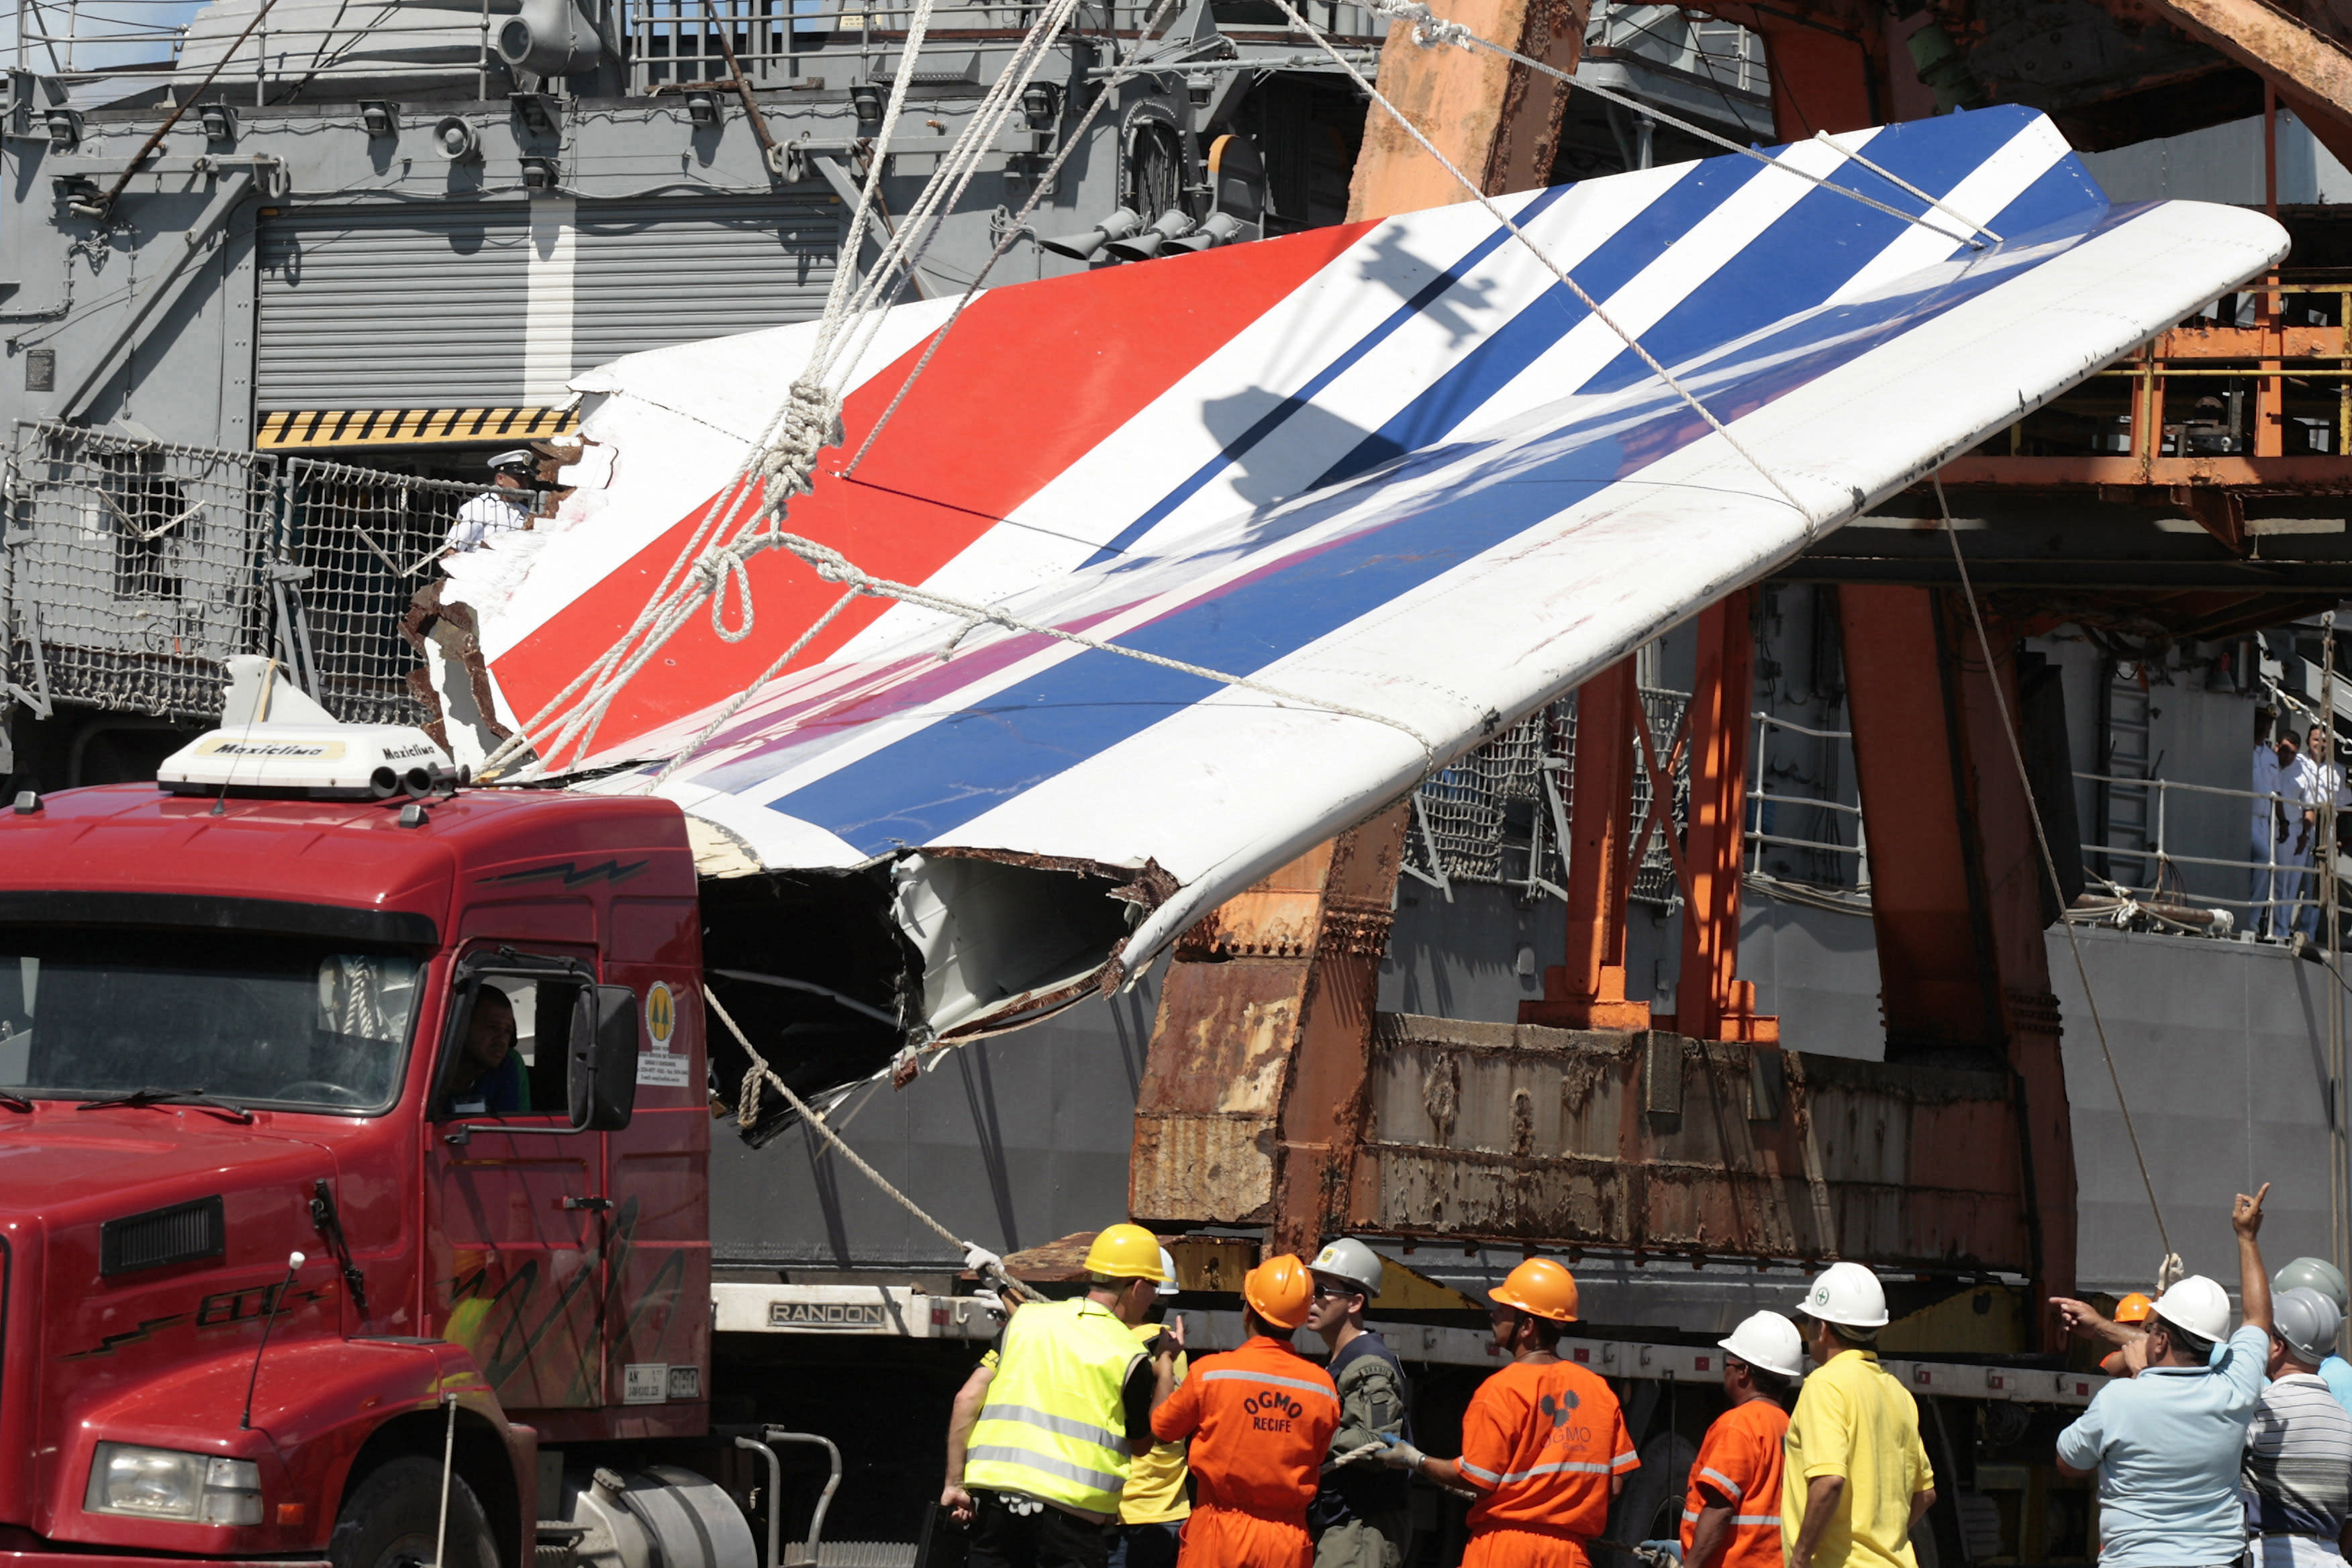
(1499, 815)
(2280, 880)
(1724, 54)
(1765, 805)
(2262, 375)
(668, 42)
(130, 570)
(676, 42)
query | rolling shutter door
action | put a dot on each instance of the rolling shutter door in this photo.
(364, 307)
(649, 274)
(474, 306)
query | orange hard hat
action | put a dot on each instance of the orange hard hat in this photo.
(2135, 1308)
(1540, 1285)
(1279, 1290)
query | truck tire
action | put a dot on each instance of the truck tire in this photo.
(391, 1520)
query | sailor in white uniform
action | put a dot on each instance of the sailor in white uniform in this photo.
(505, 508)
(2317, 777)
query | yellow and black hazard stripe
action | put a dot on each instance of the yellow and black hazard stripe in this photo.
(284, 430)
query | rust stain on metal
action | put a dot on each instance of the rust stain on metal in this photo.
(1511, 1132)
(1253, 1101)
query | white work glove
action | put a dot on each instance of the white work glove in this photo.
(981, 1261)
(992, 1301)
(1400, 1453)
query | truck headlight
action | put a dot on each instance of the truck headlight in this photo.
(159, 1483)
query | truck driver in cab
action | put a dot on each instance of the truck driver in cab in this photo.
(486, 1077)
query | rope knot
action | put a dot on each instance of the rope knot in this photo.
(812, 423)
(827, 562)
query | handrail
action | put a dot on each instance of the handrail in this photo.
(824, 1499)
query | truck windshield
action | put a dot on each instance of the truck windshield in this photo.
(253, 1019)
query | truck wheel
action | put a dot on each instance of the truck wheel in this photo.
(392, 1519)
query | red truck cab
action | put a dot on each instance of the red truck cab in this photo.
(235, 1027)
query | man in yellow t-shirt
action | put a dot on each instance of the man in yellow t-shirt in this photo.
(1154, 1505)
(1855, 1480)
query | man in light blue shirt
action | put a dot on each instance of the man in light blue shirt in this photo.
(2318, 1273)
(2168, 1443)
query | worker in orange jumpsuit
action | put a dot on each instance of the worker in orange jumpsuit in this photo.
(1733, 1517)
(1260, 1419)
(1543, 1439)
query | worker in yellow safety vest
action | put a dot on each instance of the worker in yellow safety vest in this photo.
(1044, 1432)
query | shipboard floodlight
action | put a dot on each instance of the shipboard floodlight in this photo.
(1087, 246)
(1173, 224)
(381, 116)
(1217, 228)
(454, 139)
(866, 101)
(219, 121)
(1041, 104)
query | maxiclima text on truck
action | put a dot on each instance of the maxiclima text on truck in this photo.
(352, 1144)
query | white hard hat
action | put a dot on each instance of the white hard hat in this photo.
(2198, 1305)
(1350, 1260)
(1168, 1286)
(1848, 1295)
(1769, 1341)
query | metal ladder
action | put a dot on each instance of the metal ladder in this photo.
(2126, 825)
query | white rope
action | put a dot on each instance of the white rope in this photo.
(782, 460)
(1431, 30)
(1479, 195)
(806, 406)
(748, 1112)
(2171, 1263)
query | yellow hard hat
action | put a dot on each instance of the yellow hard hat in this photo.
(1279, 1290)
(1541, 1287)
(1126, 1252)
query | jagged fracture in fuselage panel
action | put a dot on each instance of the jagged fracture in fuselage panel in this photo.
(1395, 474)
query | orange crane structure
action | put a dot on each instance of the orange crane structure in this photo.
(1275, 1093)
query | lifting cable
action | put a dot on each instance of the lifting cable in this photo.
(2170, 1269)
(977, 1257)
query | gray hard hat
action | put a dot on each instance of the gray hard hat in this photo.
(2311, 1274)
(1350, 1261)
(2308, 1321)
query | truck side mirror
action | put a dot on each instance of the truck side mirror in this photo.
(601, 1064)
